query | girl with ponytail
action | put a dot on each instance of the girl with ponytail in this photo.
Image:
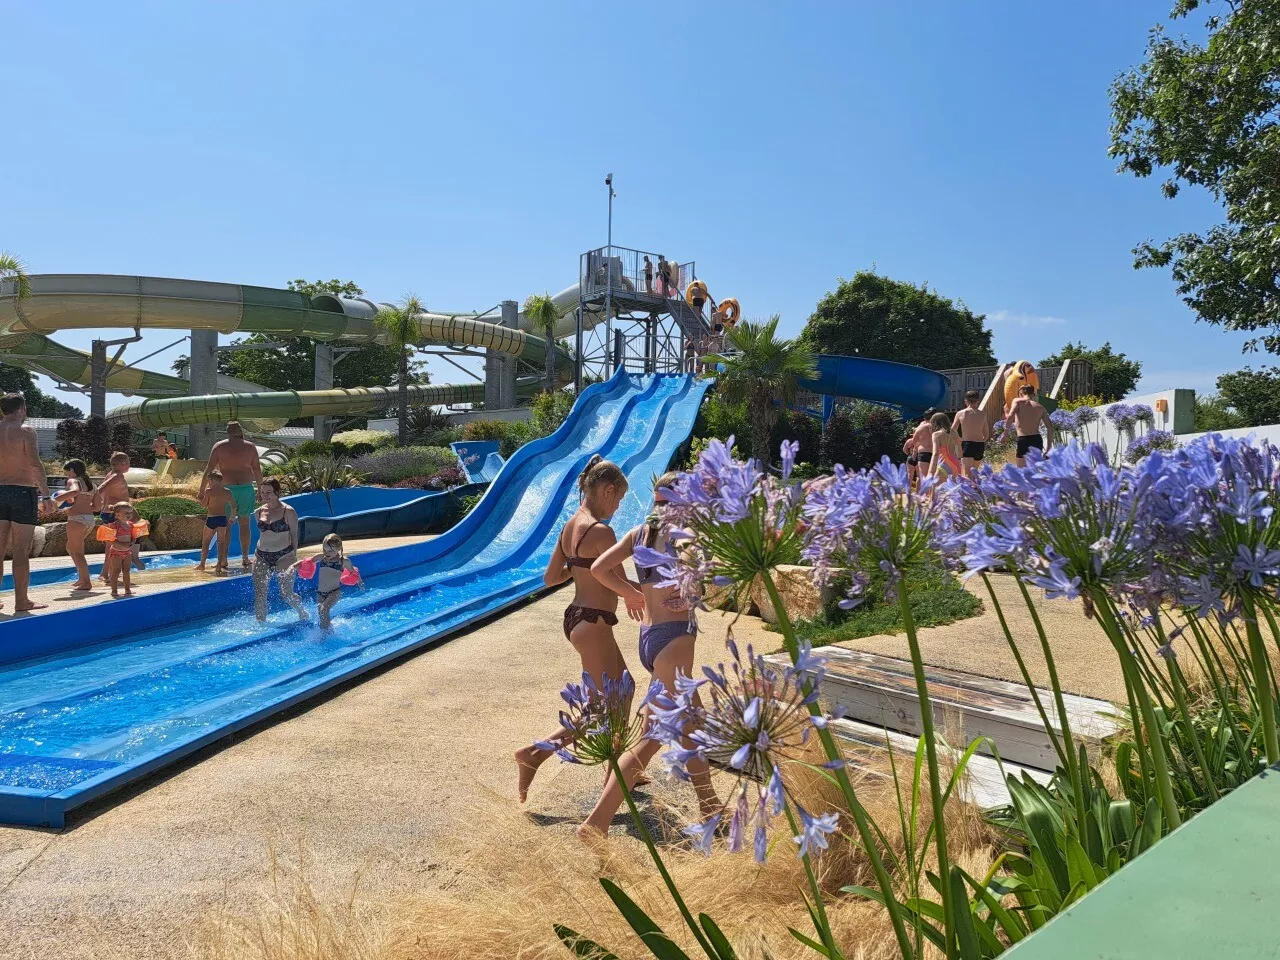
(667, 635)
(589, 620)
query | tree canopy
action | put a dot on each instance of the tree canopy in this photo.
(39, 403)
(1255, 394)
(874, 316)
(1114, 374)
(1209, 115)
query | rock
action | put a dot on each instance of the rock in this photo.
(55, 540)
(801, 597)
(37, 544)
(177, 533)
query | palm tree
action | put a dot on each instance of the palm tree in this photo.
(542, 314)
(399, 325)
(11, 267)
(762, 371)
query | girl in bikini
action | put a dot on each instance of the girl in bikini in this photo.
(666, 647)
(119, 558)
(590, 619)
(277, 549)
(80, 517)
(332, 564)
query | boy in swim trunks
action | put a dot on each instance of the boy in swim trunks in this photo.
(1029, 416)
(219, 507)
(970, 425)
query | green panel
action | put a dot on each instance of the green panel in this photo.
(1206, 891)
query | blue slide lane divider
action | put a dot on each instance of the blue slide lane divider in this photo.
(90, 702)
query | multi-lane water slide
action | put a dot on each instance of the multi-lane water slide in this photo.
(92, 301)
(89, 702)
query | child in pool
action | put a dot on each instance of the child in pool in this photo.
(220, 509)
(119, 557)
(332, 565)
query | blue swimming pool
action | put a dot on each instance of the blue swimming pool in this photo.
(163, 675)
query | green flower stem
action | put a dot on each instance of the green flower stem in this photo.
(662, 867)
(1261, 678)
(1178, 684)
(856, 810)
(824, 925)
(1265, 607)
(931, 759)
(1155, 738)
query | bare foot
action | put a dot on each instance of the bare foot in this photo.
(528, 759)
(200, 567)
(28, 606)
(590, 835)
(642, 781)
(115, 595)
(128, 592)
(220, 572)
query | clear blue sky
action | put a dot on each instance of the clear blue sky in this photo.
(458, 150)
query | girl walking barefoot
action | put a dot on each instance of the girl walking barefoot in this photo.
(119, 558)
(666, 648)
(335, 570)
(80, 518)
(589, 620)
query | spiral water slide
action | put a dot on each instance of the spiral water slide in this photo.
(96, 301)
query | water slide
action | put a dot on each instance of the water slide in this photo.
(910, 388)
(90, 702)
(94, 301)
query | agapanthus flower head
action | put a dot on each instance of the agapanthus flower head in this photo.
(1149, 441)
(1085, 415)
(1123, 415)
(751, 718)
(602, 721)
(1064, 421)
(1142, 413)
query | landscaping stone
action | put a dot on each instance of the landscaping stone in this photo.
(55, 540)
(177, 533)
(800, 595)
(37, 544)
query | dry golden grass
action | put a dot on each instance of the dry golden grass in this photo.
(515, 878)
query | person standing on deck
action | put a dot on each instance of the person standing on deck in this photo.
(24, 493)
(1029, 416)
(237, 458)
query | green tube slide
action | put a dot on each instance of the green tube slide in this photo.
(93, 301)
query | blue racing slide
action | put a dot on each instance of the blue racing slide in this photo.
(909, 388)
(94, 698)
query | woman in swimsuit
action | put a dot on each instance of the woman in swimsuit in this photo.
(666, 648)
(590, 619)
(277, 546)
(80, 517)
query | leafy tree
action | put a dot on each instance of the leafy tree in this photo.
(39, 403)
(400, 325)
(1114, 374)
(1212, 412)
(1209, 114)
(761, 371)
(803, 429)
(873, 316)
(542, 314)
(1255, 395)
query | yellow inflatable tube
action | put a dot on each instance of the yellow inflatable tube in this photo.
(1023, 373)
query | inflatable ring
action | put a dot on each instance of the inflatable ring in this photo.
(730, 311)
(697, 290)
(1023, 373)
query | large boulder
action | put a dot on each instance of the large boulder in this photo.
(801, 596)
(55, 540)
(177, 533)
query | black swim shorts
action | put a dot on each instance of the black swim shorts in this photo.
(913, 460)
(973, 449)
(1026, 443)
(19, 504)
(925, 456)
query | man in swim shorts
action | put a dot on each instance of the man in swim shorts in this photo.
(241, 469)
(24, 494)
(922, 444)
(1029, 416)
(970, 425)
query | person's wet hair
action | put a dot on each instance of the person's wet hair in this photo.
(597, 471)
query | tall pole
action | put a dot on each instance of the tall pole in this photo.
(608, 273)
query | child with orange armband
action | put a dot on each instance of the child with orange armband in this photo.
(119, 534)
(336, 572)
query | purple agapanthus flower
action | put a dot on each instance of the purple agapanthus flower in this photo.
(599, 718)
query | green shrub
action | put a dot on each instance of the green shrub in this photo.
(353, 443)
(550, 410)
(401, 463)
(485, 430)
(798, 426)
(721, 420)
(152, 508)
(429, 428)
(309, 449)
(320, 473)
(1088, 400)
(518, 434)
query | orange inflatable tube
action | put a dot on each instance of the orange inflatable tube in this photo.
(1023, 373)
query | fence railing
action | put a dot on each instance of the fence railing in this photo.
(633, 272)
(1078, 381)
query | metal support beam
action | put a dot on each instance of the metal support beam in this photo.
(204, 381)
(321, 425)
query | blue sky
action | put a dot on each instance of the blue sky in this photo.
(458, 150)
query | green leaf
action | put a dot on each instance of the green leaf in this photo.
(581, 946)
(966, 936)
(1010, 924)
(1079, 869)
(718, 940)
(811, 944)
(659, 944)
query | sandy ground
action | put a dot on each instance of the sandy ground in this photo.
(1085, 659)
(367, 783)
(60, 596)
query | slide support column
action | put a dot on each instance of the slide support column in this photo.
(204, 381)
(500, 369)
(320, 425)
